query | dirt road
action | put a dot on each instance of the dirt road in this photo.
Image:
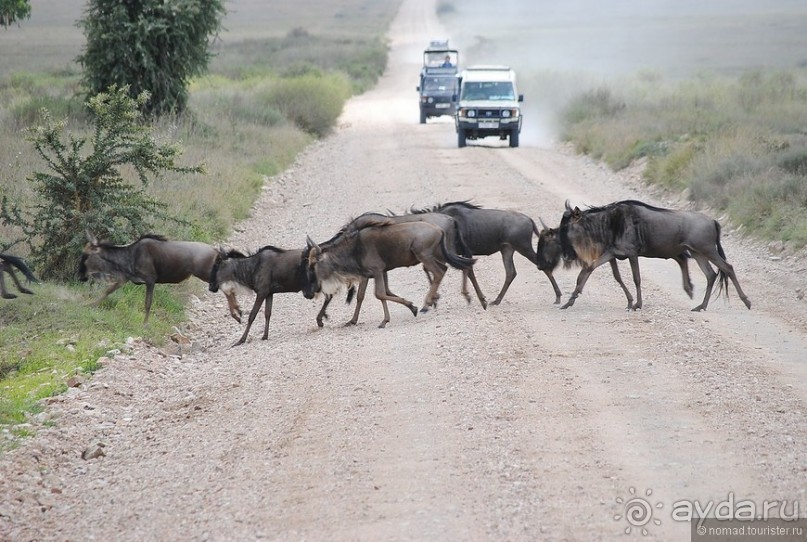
(522, 422)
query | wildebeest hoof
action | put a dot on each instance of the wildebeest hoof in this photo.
(698, 308)
(350, 323)
(9, 296)
(414, 310)
(425, 308)
(382, 325)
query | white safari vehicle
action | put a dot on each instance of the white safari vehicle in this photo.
(489, 105)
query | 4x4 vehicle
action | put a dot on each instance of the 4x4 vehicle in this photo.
(439, 84)
(488, 105)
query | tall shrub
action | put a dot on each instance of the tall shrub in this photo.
(87, 189)
(149, 45)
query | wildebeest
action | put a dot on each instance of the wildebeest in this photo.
(453, 239)
(7, 265)
(150, 260)
(487, 231)
(356, 255)
(630, 229)
(549, 254)
(268, 271)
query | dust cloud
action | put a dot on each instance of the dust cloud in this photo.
(559, 47)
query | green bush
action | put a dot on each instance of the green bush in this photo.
(312, 102)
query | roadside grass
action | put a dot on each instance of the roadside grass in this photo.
(737, 144)
(269, 94)
(48, 337)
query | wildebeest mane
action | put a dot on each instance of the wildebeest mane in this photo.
(270, 247)
(605, 224)
(440, 207)
(378, 220)
(155, 236)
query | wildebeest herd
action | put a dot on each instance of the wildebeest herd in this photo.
(450, 234)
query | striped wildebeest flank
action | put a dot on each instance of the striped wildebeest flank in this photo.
(453, 239)
(630, 229)
(268, 271)
(7, 265)
(487, 231)
(355, 255)
(150, 260)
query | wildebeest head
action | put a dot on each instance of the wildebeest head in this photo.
(570, 217)
(92, 263)
(322, 272)
(213, 284)
(548, 250)
(310, 259)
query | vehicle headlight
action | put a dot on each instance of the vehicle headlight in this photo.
(470, 113)
(505, 113)
(431, 100)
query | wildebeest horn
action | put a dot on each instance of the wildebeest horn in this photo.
(90, 237)
(568, 206)
(541, 220)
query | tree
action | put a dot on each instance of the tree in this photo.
(11, 11)
(88, 190)
(152, 45)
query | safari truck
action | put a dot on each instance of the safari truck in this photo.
(438, 86)
(489, 105)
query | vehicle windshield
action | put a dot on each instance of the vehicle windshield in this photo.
(498, 91)
(440, 84)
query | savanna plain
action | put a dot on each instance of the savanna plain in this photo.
(519, 422)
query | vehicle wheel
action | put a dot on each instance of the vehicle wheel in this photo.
(422, 117)
(514, 138)
(460, 137)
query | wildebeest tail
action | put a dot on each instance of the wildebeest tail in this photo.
(460, 246)
(452, 258)
(20, 264)
(722, 277)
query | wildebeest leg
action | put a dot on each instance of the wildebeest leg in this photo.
(322, 314)
(232, 304)
(554, 285)
(359, 299)
(469, 273)
(703, 263)
(685, 278)
(381, 294)
(637, 281)
(509, 270)
(3, 292)
(111, 288)
(256, 307)
(438, 272)
(386, 283)
(727, 270)
(267, 313)
(586, 272)
(20, 287)
(618, 279)
(149, 297)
